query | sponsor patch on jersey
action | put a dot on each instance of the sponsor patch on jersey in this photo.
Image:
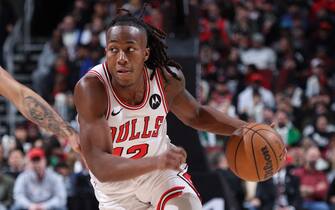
(155, 101)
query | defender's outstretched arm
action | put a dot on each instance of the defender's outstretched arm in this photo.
(36, 109)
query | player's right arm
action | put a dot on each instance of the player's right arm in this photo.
(95, 139)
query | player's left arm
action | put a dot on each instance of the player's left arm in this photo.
(195, 115)
(36, 109)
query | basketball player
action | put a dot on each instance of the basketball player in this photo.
(122, 106)
(37, 110)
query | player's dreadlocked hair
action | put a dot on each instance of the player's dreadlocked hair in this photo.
(158, 58)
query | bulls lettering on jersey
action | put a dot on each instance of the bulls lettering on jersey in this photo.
(136, 131)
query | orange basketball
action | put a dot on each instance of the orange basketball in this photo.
(257, 154)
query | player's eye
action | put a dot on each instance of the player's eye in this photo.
(131, 49)
(113, 50)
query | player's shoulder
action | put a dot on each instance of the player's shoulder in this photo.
(90, 97)
(92, 78)
(88, 81)
(172, 72)
(173, 76)
(97, 69)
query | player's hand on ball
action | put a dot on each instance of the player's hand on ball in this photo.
(172, 158)
(239, 131)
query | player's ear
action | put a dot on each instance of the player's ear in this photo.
(147, 54)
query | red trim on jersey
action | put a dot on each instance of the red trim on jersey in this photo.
(161, 90)
(168, 195)
(98, 75)
(187, 178)
(104, 67)
(145, 99)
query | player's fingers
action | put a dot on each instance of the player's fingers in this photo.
(180, 155)
(177, 157)
(176, 160)
(179, 150)
(272, 125)
(184, 153)
(237, 132)
(172, 164)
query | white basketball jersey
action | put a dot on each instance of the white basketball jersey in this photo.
(136, 131)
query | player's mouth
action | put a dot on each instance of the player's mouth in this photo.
(123, 71)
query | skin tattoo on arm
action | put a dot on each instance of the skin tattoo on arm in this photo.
(46, 118)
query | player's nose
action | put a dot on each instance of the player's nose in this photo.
(122, 58)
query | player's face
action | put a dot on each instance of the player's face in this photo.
(126, 53)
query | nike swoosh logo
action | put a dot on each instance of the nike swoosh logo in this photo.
(116, 113)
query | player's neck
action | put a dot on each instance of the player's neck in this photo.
(133, 94)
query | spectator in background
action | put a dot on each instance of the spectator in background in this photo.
(81, 12)
(268, 115)
(221, 98)
(95, 27)
(20, 138)
(331, 175)
(83, 193)
(294, 94)
(155, 18)
(318, 80)
(46, 61)
(254, 97)
(70, 35)
(319, 132)
(213, 23)
(280, 192)
(263, 57)
(3, 161)
(208, 58)
(330, 155)
(15, 163)
(236, 185)
(96, 53)
(6, 191)
(63, 169)
(298, 155)
(82, 52)
(242, 22)
(284, 126)
(61, 71)
(331, 195)
(323, 33)
(7, 22)
(314, 184)
(100, 9)
(39, 188)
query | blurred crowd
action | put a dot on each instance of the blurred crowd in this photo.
(37, 170)
(273, 61)
(266, 61)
